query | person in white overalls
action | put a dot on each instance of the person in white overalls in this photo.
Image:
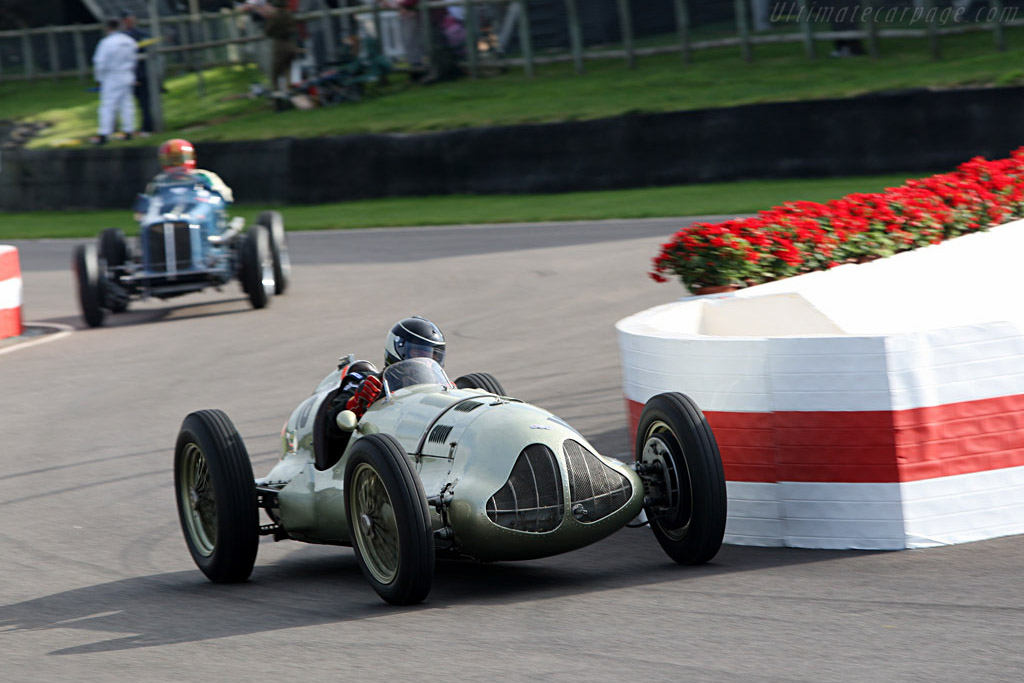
(114, 68)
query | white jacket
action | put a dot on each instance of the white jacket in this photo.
(114, 59)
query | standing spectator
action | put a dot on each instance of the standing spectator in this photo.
(141, 88)
(412, 32)
(844, 18)
(280, 26)
(114, 65)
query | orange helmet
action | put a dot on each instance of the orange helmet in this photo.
(177, 154)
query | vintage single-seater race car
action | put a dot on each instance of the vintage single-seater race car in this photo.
(436, 466)
(186, 244)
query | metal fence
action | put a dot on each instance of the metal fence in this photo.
(525, 33)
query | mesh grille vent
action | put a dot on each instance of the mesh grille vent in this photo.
(595, 489)
(439, 433)
(531, 500)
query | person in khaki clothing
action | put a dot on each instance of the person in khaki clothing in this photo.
(282, 29)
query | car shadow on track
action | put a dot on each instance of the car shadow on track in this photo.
(315, 585)
(139, 316)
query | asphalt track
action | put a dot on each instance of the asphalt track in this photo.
(96, 583)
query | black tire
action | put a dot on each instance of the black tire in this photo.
(257, 266)
(216, 497)
(240, 247)
(113, 249)
(402, 570)
(690, 523)
(90, 283)
(481, 380)
(273, 222)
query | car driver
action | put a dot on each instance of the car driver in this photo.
(178, 161)
(414, 337)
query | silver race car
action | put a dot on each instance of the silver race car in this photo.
(441, 467)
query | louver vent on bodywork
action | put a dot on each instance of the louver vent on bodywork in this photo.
(439, 433)
(595, 489)
(531, 499)
(467, 406)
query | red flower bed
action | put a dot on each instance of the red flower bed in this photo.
(800, 237)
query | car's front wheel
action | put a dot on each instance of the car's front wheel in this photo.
(257, 266)
(113, 249)
(678, 459)
(216, 496)
(388, 520)
(89, 278)
(273, 222)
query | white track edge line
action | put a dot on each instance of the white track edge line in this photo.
(63, 331)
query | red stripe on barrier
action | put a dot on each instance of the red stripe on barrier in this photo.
(10, 322)
(9, 266)
(867, 446)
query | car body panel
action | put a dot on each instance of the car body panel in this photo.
(181, 249)
(464, 444)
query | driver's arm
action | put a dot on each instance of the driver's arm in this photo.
(216, 184)
(369, 391)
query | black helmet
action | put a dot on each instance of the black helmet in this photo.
(414, 337)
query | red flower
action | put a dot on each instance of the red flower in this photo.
(803, 236)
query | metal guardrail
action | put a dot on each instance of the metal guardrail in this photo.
(195, 34)
(207, 38)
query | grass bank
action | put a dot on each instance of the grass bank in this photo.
(689, 200)
(716, 78)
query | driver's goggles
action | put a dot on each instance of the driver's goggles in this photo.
(413, 350)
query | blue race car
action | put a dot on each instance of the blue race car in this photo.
(186, 243)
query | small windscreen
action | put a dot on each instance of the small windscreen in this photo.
(414, 371)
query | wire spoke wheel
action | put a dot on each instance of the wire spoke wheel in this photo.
(389, 523)
(198, 500)
(377, 529)
(216, 496)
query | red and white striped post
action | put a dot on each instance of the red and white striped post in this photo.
(10, 292)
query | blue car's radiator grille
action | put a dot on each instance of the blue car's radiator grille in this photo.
(531, 499)
(172, 240)
(595, 490)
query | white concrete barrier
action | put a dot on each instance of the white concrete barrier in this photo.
(874, 406)
(10, 292)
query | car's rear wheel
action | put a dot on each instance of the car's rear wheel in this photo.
(113, 249)
(481, 380)
(678, 460)
(273, 222)
(90, 284)
(258, 266)
(216, 496)
(388, 520)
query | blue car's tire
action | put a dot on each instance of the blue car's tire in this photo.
(216, 497)
(388, 520)
(90, 283)
(257, 266)
(273, 222)
(688, 501)
(113, 249)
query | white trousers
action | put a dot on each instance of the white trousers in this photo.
(116, 99)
